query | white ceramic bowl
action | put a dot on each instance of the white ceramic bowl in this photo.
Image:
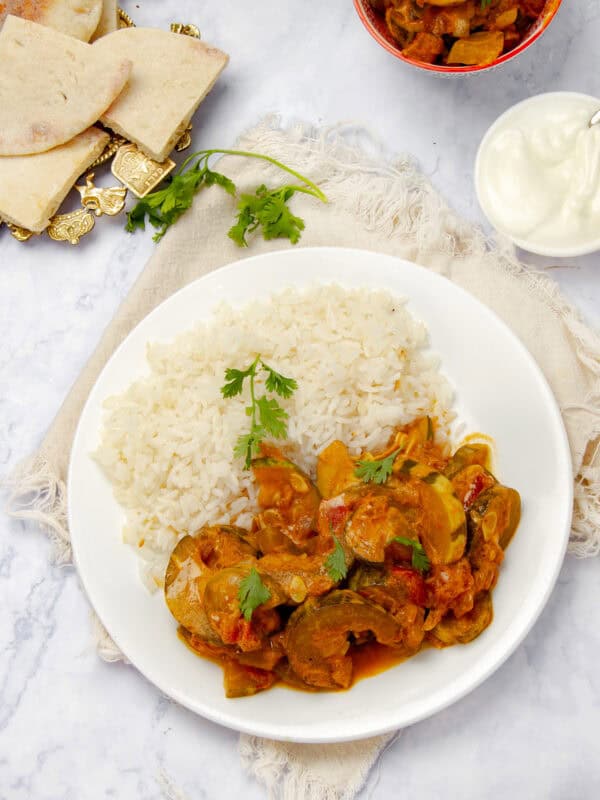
(530, 244)
(500, 390)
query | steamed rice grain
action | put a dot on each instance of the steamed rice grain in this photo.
(362, 365)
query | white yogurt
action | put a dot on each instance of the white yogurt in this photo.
(538, 174)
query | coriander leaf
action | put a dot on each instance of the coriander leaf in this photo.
(284, 387)
(170, 202)
(211, 178)
(278, 222)
(419, 558)
(272, 417)
(485, 4)
(234, 381)
(164, 207)
(248, 445)
(276, 219)
(336, 562)
(252, 593)
(376, 471)
(247, 218)
(267, 209)
(156, 199)
(136, 218)
(245, 224)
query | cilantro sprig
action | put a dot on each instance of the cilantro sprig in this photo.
(266, 209)
(252, 594)
(419, 560)
(336, 562)
(376, 470)
(267, 417)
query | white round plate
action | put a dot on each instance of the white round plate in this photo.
(499, 391)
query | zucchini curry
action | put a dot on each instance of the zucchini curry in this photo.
(386, 554)
(458, 32)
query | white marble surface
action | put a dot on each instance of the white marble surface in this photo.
(75, 728)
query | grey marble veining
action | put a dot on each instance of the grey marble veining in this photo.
(75, 728)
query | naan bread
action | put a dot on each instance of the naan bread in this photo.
(52, 86)
(171, 75)
(109, 20)
(78, 18)
(33, 187)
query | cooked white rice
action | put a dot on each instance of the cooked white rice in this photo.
(362, 366)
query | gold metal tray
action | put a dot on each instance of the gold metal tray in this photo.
(135, 171)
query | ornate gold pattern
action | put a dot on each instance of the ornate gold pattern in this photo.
(185, 139)
(71, 227)
(111, 148)
(125, 20)
(21, 234)
(137, 171)
(101, 201)
(187, 30)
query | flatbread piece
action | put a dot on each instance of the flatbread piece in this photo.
(52, 86)
(109, 20)
(33, 187)
(171, 75)
(78, 18)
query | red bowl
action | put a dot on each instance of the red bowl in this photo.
(376, 26)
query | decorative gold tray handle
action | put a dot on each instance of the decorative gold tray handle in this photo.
(135, 170)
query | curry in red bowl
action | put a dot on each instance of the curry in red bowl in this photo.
(456, 35)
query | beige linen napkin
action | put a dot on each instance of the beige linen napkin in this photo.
(374, 205)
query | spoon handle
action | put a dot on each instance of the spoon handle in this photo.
(595, 119)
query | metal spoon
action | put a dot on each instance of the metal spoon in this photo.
(595, 119)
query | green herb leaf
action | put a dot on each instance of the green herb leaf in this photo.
(336, 562)
(136, 218)
(244, 224)
(248, 445)
(485, 4)
(284, 387)
(164, 207)
(235, 381)
(267, 209)
(419, 558)
(377, 470)
(272, 417)
(212, 178)
(252, 593)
